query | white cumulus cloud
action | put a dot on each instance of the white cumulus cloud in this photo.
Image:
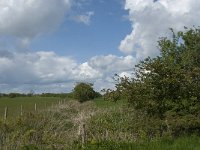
(29, 18)
(152, 19)
(112, 63)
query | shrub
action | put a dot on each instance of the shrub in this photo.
(167, 86)
(84, 92)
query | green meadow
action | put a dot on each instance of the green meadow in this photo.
(27, 103)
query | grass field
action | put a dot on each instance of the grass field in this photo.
(28, 103)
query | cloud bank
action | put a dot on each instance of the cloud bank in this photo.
(152, 19)
(34, 70)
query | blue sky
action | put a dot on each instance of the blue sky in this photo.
(101, 37)
(50, 45)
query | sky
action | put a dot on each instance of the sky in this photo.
(50, 45)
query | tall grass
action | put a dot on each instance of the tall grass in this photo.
(183, 143)
(55, 128)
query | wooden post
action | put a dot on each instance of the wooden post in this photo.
(83, 134)
(45, 105)
(106, 134)
(35, 107)
(21, 113)
(125, 136)
(5, 113)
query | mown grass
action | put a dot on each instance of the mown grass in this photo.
(28, 103)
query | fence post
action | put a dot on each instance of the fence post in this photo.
(106, 134)
(21, 113)
(5, 114)
(83, 134)
(35, 107)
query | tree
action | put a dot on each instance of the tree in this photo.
(169, 82)
(167, 87)
(84, 91)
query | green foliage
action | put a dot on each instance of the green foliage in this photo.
(168, 86)
(84, 91)
(111, 95)
(97, 95)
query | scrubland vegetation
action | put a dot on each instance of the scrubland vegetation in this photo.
(115, 126)
(158, 108)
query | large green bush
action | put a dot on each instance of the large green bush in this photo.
(84, 92)
(168, 86)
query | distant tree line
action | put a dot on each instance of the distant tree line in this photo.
(13, 95)
(82, 92)
(60, 95)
